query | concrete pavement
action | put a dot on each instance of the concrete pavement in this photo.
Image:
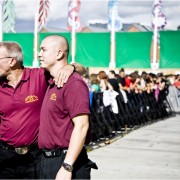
(150, 152)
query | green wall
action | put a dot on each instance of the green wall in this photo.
(93, 49)
(170, 49)
(133, 49)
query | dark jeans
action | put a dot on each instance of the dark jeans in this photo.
(81, 168)
(15, 166)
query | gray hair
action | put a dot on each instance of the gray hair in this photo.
(13, 50)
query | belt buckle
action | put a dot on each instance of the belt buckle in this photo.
(21, 150)
(48, 153)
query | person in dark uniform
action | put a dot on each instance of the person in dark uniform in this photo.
(22, 91)
(121, 79)
(113, 80)
(64, 119)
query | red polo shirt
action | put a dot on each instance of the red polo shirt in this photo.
(58, 109)
(20, 108)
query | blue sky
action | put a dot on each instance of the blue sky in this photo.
(130, 11)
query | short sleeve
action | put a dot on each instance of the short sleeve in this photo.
(76, 98)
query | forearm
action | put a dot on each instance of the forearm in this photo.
(76, 143)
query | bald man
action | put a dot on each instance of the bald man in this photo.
(64, 119)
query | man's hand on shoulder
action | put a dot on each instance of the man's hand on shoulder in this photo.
(65, 72)
(63, 75)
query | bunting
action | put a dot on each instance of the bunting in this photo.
(43, 14)
(159, 18)
(113, 15)
(8, 16)
(74, 8)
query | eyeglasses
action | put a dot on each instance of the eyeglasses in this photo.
(5, 57)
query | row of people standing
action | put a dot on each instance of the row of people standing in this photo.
(122, 83)
(139, 100)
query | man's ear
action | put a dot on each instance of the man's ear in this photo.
(60, 54)
(12, 62)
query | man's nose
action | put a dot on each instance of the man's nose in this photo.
(39, 54)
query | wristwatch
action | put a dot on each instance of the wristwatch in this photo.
(67, 167)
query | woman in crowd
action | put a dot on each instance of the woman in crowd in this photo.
(104, 84)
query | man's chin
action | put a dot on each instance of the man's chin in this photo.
(41, 65)
(44, 67)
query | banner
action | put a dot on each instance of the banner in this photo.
(43, 14)
(158, 17)
(114, 18)
(73, 19)
(133, 49)
(8, 16)
(170, 56)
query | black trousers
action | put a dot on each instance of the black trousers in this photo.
(15, 166)
(81, 168)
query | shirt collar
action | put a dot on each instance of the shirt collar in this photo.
(51, 81)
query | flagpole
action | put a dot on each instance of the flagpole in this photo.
(112, 60)
(114, 25)
(35, 60)
(73, 36)
(155, 38)
(1, 32)
(159, 23)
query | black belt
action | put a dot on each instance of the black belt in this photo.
(19, 150)
(53, 152)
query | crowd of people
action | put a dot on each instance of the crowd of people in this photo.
(120, 100)
(131, 82)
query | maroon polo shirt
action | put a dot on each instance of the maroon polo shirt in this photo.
(20, 108)
(58, 109)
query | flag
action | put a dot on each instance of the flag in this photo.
(113, 15)
(73, 9)
(8, 16)
(159, 18)
(43, 14)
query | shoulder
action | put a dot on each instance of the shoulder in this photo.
(75, 77)
(35, 72)
(75, 80)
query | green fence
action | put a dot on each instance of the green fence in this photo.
(133, 49)
(93, 49)
(170, 49)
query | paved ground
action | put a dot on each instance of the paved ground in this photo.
(150, 152)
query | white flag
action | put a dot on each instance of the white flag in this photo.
(113, 16)
(159, 18)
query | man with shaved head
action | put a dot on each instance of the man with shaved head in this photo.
(64, 119)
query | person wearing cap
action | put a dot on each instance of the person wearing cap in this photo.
(22, 92)
(64, 118)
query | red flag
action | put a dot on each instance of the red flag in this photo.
(74, 7)
(43, 14)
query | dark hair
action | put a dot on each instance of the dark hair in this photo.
(112, 72)
(121, 70)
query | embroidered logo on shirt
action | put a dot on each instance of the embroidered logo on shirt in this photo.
(31, 98)
(53, 97)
